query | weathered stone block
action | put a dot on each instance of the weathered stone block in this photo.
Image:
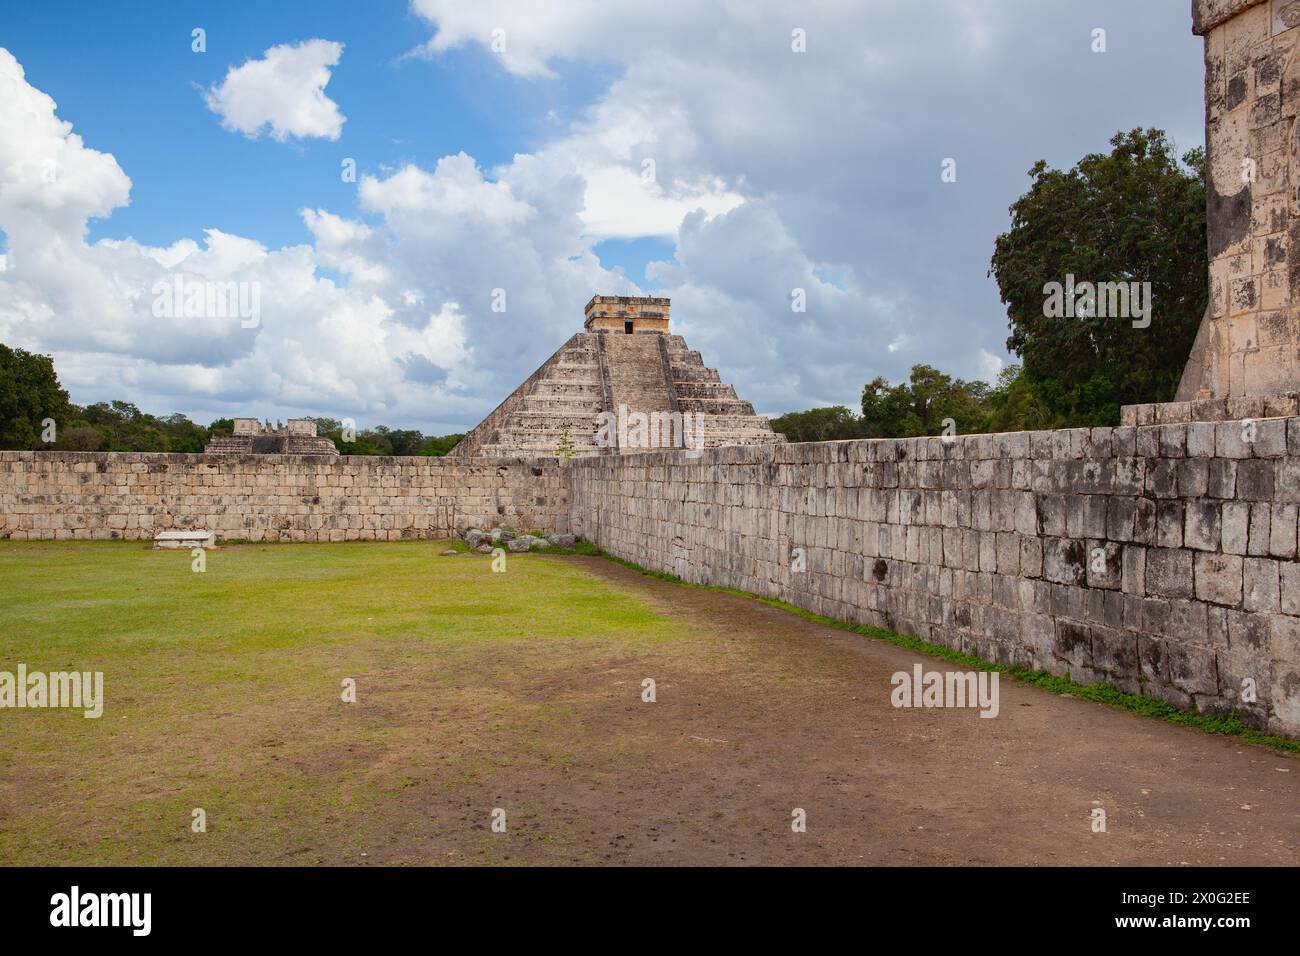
(1192, 669)
(1289, 590)
(1201, 439)
(1202, 526)
(1218, 578)
(1104, 565)
(1235, 527)
(1064, 560)
(1228, 441)
(1260, 584)
(1169, 572)
(1133, 573)
(1255, 480)
(1073, 644)
(1282, 531)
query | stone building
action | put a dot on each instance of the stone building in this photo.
(1246, 358)
(249, 436)
(625, 383)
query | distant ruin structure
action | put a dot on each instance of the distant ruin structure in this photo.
(251, 437)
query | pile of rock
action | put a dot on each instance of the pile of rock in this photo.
(510, 539)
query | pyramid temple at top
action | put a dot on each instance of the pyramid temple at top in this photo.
(616, 387)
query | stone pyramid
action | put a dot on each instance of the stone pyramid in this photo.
(625, 370)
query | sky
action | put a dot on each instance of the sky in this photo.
(409, 204)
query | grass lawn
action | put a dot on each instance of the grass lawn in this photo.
(223, 692)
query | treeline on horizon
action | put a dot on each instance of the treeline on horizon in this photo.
(30, 396)
(1134, 214)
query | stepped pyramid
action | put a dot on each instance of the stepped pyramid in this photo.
(624, 364)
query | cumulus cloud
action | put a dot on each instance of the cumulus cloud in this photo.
(838, 150)
(409, 336)
(282, 94)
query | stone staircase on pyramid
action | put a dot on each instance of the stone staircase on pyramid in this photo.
(625, 363)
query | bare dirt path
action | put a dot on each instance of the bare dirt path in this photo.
(798, 716)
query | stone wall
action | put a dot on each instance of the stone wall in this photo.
(272, 497)
(1159, 558)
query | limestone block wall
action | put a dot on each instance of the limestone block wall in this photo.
(1161, 558)
(272, 497)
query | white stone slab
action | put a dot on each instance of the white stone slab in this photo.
(185, 539)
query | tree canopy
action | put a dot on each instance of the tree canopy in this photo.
(835, 423)
(924, 404)
(1131, 215)
(29, 395)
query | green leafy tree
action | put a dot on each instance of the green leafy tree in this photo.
(126, 428)
(1013, 406)
(1131, 215)
(81, 437)
(924, 404)
(438, 445)
(382, 440)
(835, 423)
(29, 395)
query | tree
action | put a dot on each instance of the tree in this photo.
(438, 445)
(1012, 405)
(79, 438)
(30, 395)
(1131, 215)
(835, 423)
(925, 405)
(382, 440)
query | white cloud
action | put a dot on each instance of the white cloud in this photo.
(51, 180)
(771, 170)
(410, 337)
(838, 148)
(283, 92)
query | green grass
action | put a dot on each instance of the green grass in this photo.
(222, 689)
(1229, 725)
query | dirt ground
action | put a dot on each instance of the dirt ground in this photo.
(522, 692)
(711, 772)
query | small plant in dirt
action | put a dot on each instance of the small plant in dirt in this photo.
(565, 448)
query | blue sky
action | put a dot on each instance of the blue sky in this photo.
(127, 74)
(551, 151)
